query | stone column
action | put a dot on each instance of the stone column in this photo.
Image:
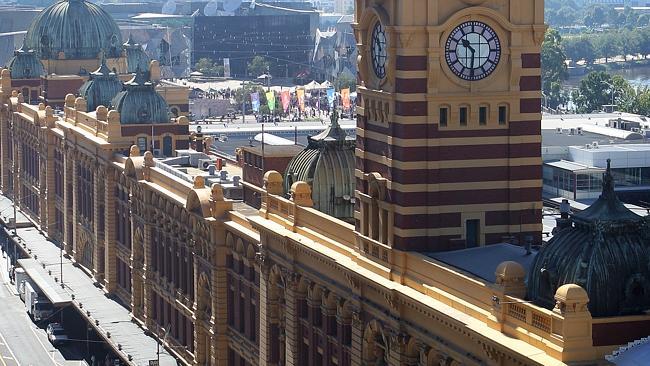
(75, 225)
(110, 230)
(219, 297)
(267, 312)
(48, 192)
(147, 273)
(5, 137)
(18, 169)
(356, 347)
(292, 297)
(68, 199)
(98, 255)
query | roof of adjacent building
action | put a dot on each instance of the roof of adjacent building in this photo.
(483, 261)
(574, 167)
(275, 151)
(605, 249)
(78, 28)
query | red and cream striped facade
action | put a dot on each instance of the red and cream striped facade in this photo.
(418, 182)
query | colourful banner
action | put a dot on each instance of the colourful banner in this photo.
(330, 96)
(345, 98)
(301, 99)
(285, 97)
(255, 102)
(270, 100)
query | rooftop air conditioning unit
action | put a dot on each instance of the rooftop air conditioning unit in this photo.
(204, 163)
(580, 131)
(636, 129)
(558, 130)
(594, 144)
(157, 153)
(572, 131)
(587, 146)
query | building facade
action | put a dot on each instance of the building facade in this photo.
(289, 285)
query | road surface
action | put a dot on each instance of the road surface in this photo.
(22, 343)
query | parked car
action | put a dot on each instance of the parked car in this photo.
(56, 333)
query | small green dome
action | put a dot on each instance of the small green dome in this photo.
(102, 86)
(25, 65)
(135, 56)
(327, 165)
(139, 103)
(77, 28)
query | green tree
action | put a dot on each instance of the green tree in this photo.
(565, 16)
(630, 42)
(608, 45)
(644, 42)
(579, 48)
(555, 96)
(243, 95)
(595, 16)
(205, 66)
(345, 81)
(596, 90)
(258, 66)
(642, 102)
(553, 57)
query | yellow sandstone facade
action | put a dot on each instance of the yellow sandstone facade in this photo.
(289, 285)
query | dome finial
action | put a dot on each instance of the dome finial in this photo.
(130, 42)
(140, 77)
(608, 181)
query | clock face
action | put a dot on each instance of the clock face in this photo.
(378, 50)
(473, 50)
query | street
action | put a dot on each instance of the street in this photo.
(22, 343)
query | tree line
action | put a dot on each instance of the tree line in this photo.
(590, 47)
(598, 88)
(570, 13)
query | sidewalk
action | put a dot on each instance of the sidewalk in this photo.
(102, 313)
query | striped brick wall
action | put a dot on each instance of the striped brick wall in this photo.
(440, 176)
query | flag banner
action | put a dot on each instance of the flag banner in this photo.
(345, 98)
(255, 102)
(330, 96)
(270, 100)
(285, 97)
(226, 67)
(301, 99)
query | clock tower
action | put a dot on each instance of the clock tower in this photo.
(448, 124)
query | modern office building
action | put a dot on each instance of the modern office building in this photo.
(283, 33)
(448, 167)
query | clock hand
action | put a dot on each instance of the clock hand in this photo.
(468, 45)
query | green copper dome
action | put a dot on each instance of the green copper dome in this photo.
(25, 65)
(605, 249)
(139, 103)
(77, 28)
(102, 86)
(136, 58)
(327, 164)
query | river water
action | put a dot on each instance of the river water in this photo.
(637, 76)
